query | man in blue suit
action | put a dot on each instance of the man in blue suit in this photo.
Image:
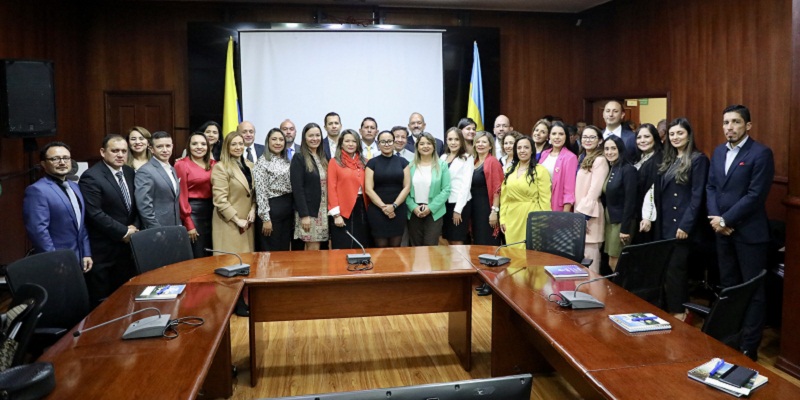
(739, 181)
(613, 115)
(53, 208)
(416, 126)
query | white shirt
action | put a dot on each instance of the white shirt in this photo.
(732, 152)
(252, 150)
(422, 184)
(370, 151)
(332, 145)
(498, 148)
(616, 132)
(549, 163)
(408, 155)
(460, 181)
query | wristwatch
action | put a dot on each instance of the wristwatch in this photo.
(496, 209)
(722, 222)
(394, 205)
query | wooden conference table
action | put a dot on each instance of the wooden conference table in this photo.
(529, 334)
(599, 359)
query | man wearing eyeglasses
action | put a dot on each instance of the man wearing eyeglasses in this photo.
(53, 209)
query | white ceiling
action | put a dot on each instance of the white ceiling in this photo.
(556, 6)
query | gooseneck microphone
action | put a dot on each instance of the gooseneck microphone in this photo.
(580, 300)
(364, 258)
(153, 326)
(231, 270)
(493, 260)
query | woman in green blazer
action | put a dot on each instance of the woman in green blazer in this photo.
(430, 188)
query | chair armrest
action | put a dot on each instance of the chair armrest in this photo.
(586, 262)
(703, 311)
(44, 332)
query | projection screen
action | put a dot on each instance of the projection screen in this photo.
(304, 74)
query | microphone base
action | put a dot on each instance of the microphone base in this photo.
(364, 258)
(580, 300)
(493, 260)
(147, 327)
(233, 270)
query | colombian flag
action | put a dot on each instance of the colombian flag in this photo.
(475, 102)
(231, 115)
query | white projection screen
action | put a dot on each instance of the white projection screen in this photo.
(304, 74)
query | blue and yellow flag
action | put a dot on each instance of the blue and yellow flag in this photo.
(475, 102)
(231, 114)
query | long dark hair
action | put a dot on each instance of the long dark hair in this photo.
(588, 159)
(267, 153)
(621, 160)
(306, 152)
(656, 140)
(462, 143)
(207, 157)
(338, 155)
(531, 163)
(671, 153)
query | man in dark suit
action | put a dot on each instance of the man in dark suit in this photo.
(111, 218)
(333, 126)
(613, 115)
(739, 181)
(53, 208)
(416, 125)
(157, 187)
(289, 133)
(252, 150)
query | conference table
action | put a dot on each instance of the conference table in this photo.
(529, 333)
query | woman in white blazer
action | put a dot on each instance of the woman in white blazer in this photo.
(458, 207)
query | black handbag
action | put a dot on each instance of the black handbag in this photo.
(27, 382)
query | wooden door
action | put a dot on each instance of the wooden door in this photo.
(151, 110)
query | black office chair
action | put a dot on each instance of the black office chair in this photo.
(61, 275)
(156, 247)
(725, 318)
(559, 233)
(642, 269)
(21, 328)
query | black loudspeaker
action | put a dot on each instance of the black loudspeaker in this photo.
(27, 99)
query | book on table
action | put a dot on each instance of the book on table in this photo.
(566, 271)
(715, 372)
(640, 322)
(160, 292)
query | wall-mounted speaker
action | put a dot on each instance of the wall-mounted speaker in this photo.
(27, 99)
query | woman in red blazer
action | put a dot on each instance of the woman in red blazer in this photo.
(485, 190)
(346, 195)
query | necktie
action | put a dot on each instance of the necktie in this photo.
(76, 207)
(250, 154)
(369, 152)
(291, 153)
(124, 188)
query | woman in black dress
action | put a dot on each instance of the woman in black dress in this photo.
(648, 158)
(387, 183)
(485, 190)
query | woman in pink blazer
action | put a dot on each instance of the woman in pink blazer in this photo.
(562, 165)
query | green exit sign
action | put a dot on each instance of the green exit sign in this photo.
(644, 102)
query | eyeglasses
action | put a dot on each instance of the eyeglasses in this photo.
(56, 160)
(589, 138)
(386, 142)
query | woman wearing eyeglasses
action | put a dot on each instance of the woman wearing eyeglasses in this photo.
(588, 188)
(387, 184)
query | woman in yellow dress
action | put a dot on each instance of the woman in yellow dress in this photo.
(525, 189)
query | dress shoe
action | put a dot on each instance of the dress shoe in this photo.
(751, 354)
(484, 290)
(242, 309)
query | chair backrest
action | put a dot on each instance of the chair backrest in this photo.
(642, 269)
(156, 247)
(726, 318)
(36, 297)
(61, 275)
(555, 232)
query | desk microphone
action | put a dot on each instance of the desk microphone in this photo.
(231, 270)
(146, 327)
(579, 300)
(364, 258)
(493, 260)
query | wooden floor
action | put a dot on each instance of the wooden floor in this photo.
(322, 356)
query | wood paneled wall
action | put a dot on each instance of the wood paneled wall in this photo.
(704, 54)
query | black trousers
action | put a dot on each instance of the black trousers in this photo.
(281, 213)
(676, 277)
(356, 225)
(740, 262)
(201, 216)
